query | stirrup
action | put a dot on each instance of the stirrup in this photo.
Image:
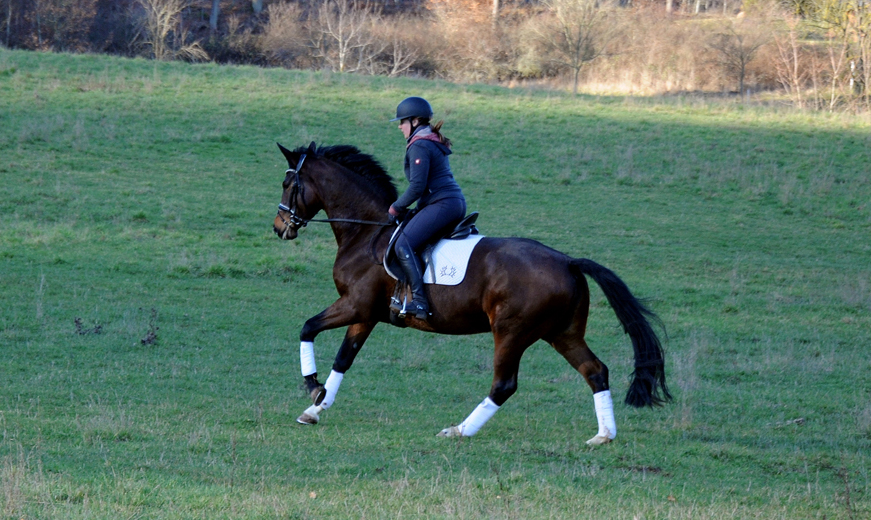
(401, 308)
(405, 308)
(396, 305)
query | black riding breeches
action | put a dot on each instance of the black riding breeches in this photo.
(430, 222)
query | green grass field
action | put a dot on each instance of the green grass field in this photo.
(149, 325)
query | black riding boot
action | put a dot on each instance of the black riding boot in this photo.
(414, 276)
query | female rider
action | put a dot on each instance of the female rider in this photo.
(440, 202)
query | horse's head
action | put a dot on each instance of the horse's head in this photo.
(299, 200)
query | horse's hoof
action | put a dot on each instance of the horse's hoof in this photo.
(598, 440)
(453, 431)
(307, 419)
(318, 395)
(311, 415)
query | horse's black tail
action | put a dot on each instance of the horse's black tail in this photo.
(647, 387)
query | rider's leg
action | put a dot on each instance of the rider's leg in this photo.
(428, 223)
(413, 270)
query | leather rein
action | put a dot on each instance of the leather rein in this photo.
(299, 191)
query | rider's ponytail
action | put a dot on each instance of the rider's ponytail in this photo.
(436, 129)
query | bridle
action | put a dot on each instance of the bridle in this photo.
(297, 191)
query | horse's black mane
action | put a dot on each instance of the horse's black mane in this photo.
(360, 163)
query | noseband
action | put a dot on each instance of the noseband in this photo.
(299, 190)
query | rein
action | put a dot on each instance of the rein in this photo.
(299, 190)
(302, 222)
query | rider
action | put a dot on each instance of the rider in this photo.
(440, 202)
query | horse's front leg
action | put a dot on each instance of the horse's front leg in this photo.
(324, 395)
(339, 314)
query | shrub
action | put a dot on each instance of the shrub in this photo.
(404, 46)
(465, 43)
(60, 25)
(240, 44)
(161, 34)
(285, 36)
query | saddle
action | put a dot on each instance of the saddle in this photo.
(464, 229)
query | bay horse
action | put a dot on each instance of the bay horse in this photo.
(517, 289)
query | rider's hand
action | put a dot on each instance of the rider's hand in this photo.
(394, 215)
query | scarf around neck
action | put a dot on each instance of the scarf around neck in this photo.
(423, 133)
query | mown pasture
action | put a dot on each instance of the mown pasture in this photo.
(149, 323)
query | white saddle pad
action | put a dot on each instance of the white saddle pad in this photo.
(447, 261)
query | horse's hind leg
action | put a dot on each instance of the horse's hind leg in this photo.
(575, 350)
(506, 364)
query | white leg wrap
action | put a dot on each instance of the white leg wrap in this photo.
(478, 418)
(605, 414)
(332, 386)
(314, 411)
(307, 358)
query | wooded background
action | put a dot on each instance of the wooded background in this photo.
(812, 53)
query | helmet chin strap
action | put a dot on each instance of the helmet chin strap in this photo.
(414, 127)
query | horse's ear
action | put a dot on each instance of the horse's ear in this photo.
(287, 155)
(312, 148)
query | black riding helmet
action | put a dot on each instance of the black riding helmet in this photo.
(413, 107)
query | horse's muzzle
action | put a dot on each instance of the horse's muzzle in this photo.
(284, 230)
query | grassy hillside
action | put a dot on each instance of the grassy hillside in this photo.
(150, 317)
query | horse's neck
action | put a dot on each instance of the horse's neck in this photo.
(344, 198)
(347, 200)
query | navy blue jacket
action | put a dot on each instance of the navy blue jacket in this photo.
(429, 174)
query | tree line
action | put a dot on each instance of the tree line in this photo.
(816, 52)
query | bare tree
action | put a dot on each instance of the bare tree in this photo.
(398, 49)
(574, 33)
(862, 31)
(837, 49)
(8, 21)
(736, 47)
(851, 21)
(342, 34)
(792, 71)
(847, 26)
(216, 12)
(402, 54)
(161, 32)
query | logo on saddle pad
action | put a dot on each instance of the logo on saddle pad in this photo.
(445, 262)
